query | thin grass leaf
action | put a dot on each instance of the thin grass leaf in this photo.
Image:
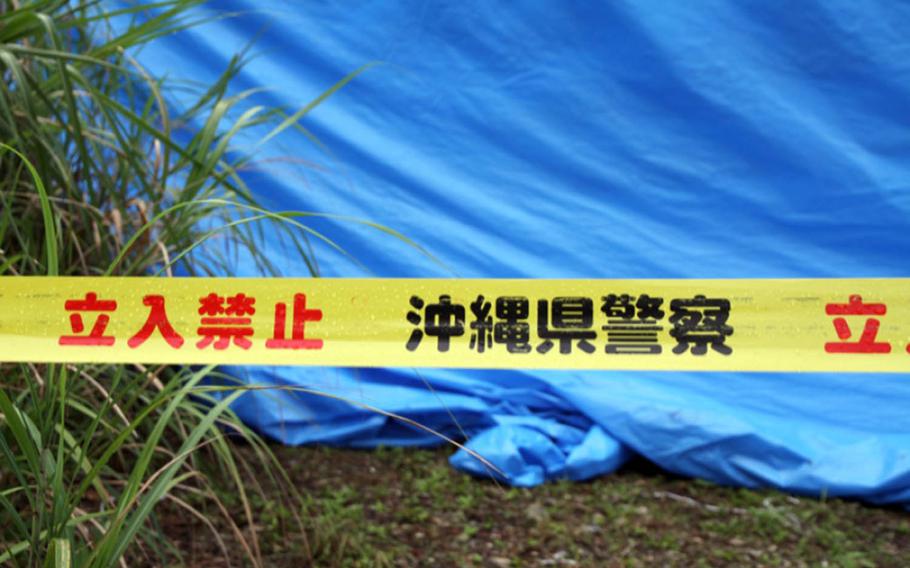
(50, 233)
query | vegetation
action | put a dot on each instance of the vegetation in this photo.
(99, 176)
(406, 507)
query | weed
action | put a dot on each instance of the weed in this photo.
(94, 180)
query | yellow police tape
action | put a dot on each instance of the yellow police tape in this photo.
(743, 325)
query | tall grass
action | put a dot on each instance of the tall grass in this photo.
(99, 176)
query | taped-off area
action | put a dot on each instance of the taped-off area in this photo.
(850, 325)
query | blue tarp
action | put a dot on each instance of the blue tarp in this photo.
(593, 140)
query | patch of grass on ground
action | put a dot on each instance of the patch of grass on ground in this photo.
(399, 507)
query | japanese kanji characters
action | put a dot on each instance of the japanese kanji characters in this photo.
(90, 305)
(699, 323)
(511, 328)
(157, 320)
(628, 334)
(443, 320)
(225, 320)
(571, 319)
(866, 342)
(633, 324)
(300, 316)
(615, 324)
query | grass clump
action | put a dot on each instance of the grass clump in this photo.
(99, 176)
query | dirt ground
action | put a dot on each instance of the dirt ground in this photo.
(400, 507)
